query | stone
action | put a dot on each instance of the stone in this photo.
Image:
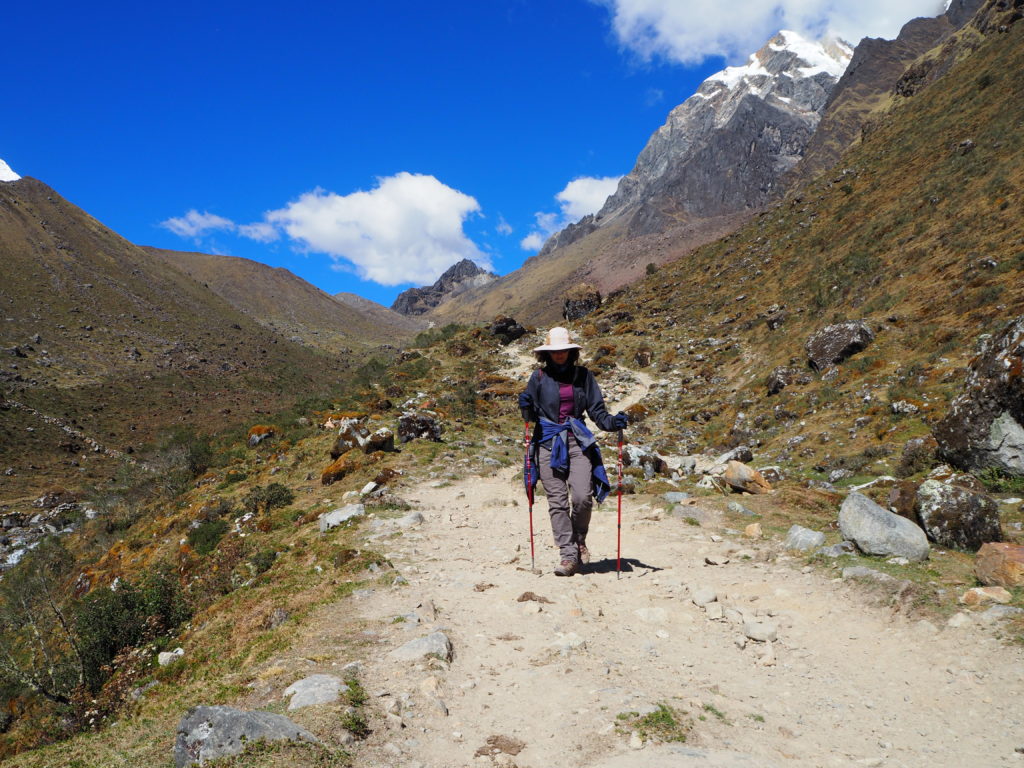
(382, 439)
(762, 632)
(313, 690)
(579, 301)
(351, 434)
(703, 595)
(651, 463)
(259, 433)
(960, 620)
(506, 329)
(716, 560)
(835, 343)
(652, 615)
(803, 539)
(983, 428)
(169, 657)
(743, 478)
(753, 531)
(738, 509)
(838, 550)
(208, 733)
(902, 499)
(985, 595)
(675, 497)
(877, 531)
(434, 645)
(333, 519)
(956, 517)
(863, 572)
(419, 425)
(779, 379)
(714, 611)
(411, 520)
(1000, 564)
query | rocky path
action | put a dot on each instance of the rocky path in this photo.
(779, 665)
(843, 684)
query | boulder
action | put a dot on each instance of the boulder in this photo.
(165, 658)
(351, 434)
(835, 343)
(803, 539)
(313, 690)
(419, 425)
(999, 564)
(435, 645)
(743, 478)
(877, 531)
(903, 499)
(983, 427)
(506, 329)
(779, 379)
(957, 517)
(381, 440)
(338, 469)
(207, 733)
(259, 433)
(985, 596)
(580, 302)
(336, 517)
(650, 462)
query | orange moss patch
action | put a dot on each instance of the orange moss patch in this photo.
(345, 464)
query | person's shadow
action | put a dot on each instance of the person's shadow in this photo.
(608, 565)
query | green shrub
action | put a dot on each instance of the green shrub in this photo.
(997, 481)
(263, 560)
(205, 536)
(267, 498)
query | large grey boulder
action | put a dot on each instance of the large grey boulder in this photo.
(803, 539)
(834, 343)
(341, 515)
(985, 424)
(206, 733)
(877, 531)
(313, 690)
(435, 645)
(957, 517)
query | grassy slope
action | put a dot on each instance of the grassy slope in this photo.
(128, 346)
(285, 303)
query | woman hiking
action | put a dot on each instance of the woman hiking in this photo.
(563, 452)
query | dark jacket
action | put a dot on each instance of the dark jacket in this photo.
(587, 398)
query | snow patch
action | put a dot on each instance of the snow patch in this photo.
(6, 174)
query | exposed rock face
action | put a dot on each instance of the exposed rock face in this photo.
(779, 379)
(835, 343)
(456, 279)
(422, 425)
(877, 531)
(580, 302)
(956, 517)
(984, 425)
(725, 148)
(1000, 565)
(206, 733)
(743, 478)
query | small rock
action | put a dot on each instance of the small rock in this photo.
(803, 539)
(313, 690)
(169, 657)
(410, 521)
(703, 596)
(753, 531)
(716, 560)
(714, 611)
(983, 595)
(762, 632)
(333, 519)
(635, 742)
(435, 645)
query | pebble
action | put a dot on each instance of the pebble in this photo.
(714, 611)
(753, 531)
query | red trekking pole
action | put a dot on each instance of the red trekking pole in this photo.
(618, 555)
(529, 493)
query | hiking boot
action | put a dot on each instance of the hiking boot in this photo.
(566, 568)
(584, 553)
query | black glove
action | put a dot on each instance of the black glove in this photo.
(620, 420)
(526, 406)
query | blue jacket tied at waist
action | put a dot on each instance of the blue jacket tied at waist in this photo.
(556, 435)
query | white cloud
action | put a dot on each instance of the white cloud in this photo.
(406, 230)
(195, 224)
(692, 31)
(503, 228)
(261, 232)
(580, 197)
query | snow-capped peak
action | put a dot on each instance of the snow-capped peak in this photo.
(6, 174)
(830, 56)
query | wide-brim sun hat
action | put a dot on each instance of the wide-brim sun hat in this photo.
(556, 341)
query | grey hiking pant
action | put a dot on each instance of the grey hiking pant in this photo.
(568, 524)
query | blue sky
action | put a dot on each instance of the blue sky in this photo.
(365, 146)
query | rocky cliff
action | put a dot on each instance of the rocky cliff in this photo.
(456, 279)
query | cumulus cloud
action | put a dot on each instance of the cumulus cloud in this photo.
(195, 224)
(406, 230)
(580, 197)
(261, 232)
(690, 32)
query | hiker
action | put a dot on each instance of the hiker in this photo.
(563, 452)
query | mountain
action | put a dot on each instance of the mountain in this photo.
(106, 345)
(457, 279)
(381, 315)
(867, 86)
(719, 158)
(287, 304)
(6, 174)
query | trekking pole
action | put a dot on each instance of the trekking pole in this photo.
(529, 492)
(618, 555)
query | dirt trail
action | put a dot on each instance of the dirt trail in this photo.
(847, 682)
